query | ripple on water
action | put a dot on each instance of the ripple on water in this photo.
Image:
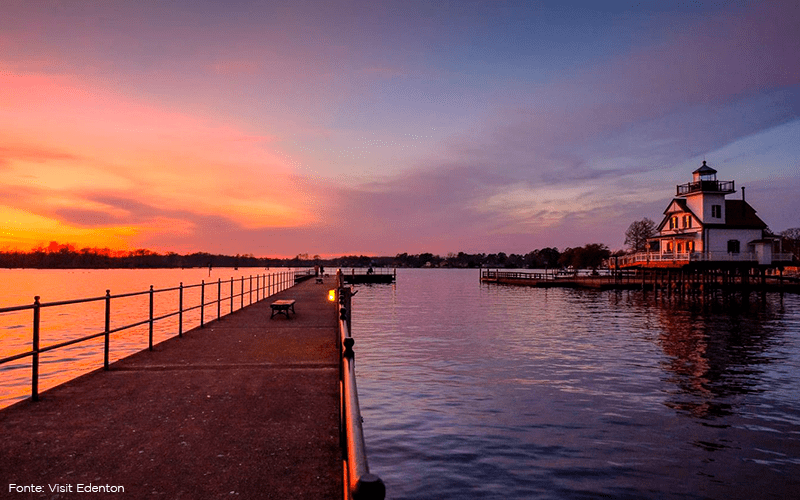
(475, 391)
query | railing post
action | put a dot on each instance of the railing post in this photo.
(35, 358)
(180, 310)
(151, 318)
(348, 303)
(258, 288)
(202, 301)
(249, 295)
(108, 329)
(219, 297)
(231, 294)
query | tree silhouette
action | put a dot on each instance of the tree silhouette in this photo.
(637, 234)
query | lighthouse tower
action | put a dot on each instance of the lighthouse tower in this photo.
(705, 195)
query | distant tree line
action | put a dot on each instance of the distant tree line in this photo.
(585, 257)
(65, 256)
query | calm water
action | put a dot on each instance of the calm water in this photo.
(486, 391)
(59, 324)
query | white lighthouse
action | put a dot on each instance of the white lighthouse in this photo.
(701, 224)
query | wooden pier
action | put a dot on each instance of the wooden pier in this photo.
(247, 407)
(696, 280)
(365, 276)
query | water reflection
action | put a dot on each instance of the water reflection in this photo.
(716, 350)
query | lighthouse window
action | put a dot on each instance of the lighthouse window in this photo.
(733, 246)
(716, 211)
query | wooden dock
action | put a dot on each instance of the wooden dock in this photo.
(684, 281)
(246, 407)
(366, 276)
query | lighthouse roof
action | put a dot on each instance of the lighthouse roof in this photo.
(705, 170)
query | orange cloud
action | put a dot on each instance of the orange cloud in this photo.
(25, 230)
(64, 141)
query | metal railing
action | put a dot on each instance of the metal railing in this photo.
(359, 484)
(705, 186)
(264, 286)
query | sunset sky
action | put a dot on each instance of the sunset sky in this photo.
(377, 127)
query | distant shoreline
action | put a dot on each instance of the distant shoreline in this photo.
(57, 256)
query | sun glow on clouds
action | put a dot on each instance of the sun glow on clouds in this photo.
(25, 230)
(65, 143)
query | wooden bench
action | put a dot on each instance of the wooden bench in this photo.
(282, 307)
(319, 280)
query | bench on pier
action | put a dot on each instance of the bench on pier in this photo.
(319, 280)
(282, 307)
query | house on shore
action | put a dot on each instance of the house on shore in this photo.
(701, 225)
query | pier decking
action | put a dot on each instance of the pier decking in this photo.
(246, 407)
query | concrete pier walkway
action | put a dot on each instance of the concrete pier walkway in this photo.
(247, 407)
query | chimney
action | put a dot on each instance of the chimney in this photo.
(744, 204)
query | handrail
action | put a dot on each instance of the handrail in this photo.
(266, 285)
(359, 484)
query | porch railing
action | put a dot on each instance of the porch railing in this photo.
(644, 257)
